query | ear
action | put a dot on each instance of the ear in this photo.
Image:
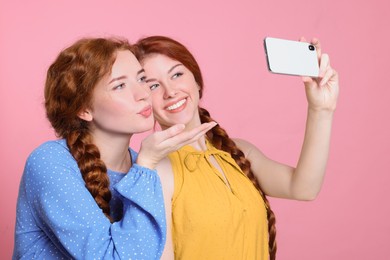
(85, 115)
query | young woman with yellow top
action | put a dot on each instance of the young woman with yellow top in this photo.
(215, 188)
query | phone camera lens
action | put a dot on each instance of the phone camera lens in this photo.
(311, 47)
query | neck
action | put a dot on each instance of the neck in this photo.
(114, 151)
(200, 144)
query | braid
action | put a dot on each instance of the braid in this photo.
(93, 169)
(69, 87)
(220, 139)
(218, 136)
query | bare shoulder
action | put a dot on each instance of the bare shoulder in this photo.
(164, 168)
(165, 172)
(247, 148)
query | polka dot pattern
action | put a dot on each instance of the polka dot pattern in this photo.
(57, 218)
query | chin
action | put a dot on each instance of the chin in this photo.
(179, 119)
(140, 128)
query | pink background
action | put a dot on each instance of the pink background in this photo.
(349, 220)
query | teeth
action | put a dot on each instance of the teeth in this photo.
(178, 104)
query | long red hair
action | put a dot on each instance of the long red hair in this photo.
(69, 87)
(217, 136)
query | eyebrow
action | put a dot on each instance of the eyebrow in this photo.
(123, 77)
(169, 71)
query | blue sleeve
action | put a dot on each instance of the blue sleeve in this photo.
(58, 218)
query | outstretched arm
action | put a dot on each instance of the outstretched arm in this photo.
(303, 182)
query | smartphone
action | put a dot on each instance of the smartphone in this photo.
(291, 57)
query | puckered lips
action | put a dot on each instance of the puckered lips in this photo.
(176, 106)
(146, 111)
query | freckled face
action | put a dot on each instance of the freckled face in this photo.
(175, 93)
(121, 101)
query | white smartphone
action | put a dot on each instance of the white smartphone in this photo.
(291, 57)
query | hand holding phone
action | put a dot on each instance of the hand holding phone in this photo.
(291, 57)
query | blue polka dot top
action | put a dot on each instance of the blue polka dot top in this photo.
(57, 217)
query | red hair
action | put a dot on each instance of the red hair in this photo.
(217, 136)
(69, 87)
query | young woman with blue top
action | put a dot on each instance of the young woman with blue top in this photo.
(88, 195)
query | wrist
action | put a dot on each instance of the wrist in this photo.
(325, 111)
(145, 163)
(320, 114)
(141, 168)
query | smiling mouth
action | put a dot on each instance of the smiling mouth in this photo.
(176, 105)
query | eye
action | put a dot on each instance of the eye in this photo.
(120, 86)
(142, 79)
(154, 86)
(176, 75)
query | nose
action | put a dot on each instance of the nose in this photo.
(169, 91)
(142, 92)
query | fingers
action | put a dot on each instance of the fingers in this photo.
(306, 79)
(203, 128)
(317, 44)
(168, 133)
(326, 71)
(324, 64)
(329, 75)
(196, 133)
(174, 136)
(188, 137)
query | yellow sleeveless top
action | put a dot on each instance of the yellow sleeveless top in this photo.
(211, 220)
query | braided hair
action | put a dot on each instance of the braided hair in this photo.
(69, 86)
